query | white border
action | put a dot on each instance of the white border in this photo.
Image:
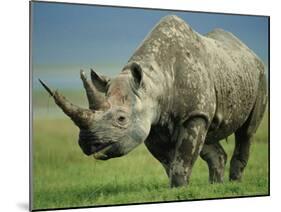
(14, 22)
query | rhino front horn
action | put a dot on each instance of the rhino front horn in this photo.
(80, 116)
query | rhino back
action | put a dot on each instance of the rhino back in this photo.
(236, 72)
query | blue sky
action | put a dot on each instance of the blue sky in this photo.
(83, 35)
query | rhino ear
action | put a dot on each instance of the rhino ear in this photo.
(137, 74)
(99, 81)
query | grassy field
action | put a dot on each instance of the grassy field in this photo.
(64, 177)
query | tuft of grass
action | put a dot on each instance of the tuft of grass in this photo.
(64, 177)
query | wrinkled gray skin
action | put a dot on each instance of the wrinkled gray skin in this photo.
(180, 94)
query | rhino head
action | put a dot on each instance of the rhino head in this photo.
(117, 120)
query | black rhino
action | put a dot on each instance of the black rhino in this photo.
(180, 93)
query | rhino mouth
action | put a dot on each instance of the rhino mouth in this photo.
(100, 153)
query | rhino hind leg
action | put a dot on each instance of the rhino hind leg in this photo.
(244, 135)
(216, 158)
(243, 139)
(241, 154)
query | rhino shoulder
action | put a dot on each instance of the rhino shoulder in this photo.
(174, 22)
(172, 18)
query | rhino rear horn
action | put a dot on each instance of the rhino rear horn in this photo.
(80, 116)
(96, 99)
(100, 81)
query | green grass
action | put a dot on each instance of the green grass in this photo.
(64, 177)
(41, 99)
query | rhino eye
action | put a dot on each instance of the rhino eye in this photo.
(121, 119)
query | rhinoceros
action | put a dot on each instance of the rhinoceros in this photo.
(180, 94)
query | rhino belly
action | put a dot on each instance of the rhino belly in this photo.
(235, 101)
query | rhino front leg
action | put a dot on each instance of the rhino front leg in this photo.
(160, 149)
(215, 157)
(190, 140)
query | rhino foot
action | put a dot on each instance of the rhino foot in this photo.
(178, 180)
(236, 169)
(216, 158)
